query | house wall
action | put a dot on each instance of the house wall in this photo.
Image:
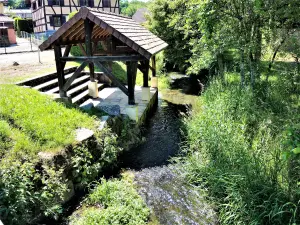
(42, 14)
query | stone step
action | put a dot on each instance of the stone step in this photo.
(78, 88)
(75, 83)
(49, 84)
(82, 96)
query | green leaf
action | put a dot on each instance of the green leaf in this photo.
(296, 150)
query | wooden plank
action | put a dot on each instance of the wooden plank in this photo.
(105, 58)
(74, 76)
(111, 76)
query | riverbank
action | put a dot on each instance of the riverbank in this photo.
(242, 146)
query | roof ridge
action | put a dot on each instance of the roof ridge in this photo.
(108, 13)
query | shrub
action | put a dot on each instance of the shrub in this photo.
(235, 147)
(23, 25)
(113, 202)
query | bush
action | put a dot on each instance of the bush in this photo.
(113, 202)
(23, 25)
(235, 146)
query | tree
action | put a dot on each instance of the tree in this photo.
(130, 8)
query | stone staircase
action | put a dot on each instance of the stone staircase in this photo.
(78, 90)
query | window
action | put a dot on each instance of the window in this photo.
(89, 3)
(56, 2)
(57, 21)
(39, 3)
(106, 3)
(34, 6)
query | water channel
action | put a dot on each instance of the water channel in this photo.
(159, 182)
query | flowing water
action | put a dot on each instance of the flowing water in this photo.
(160, 183)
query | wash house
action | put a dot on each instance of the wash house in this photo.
(121, 39)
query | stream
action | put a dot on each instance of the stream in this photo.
(159, 182)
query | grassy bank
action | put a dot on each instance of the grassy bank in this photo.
(31, 187)
(113, 202)
(243, 146)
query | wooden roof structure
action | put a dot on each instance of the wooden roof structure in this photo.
(121, 27)
(121, 38)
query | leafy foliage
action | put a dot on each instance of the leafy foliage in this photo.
(113, 202)
(129, 8)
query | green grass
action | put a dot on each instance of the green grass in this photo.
(113, 202)
(36, 122)
(236, 143)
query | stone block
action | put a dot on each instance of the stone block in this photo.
(154, 82)
(146, 94)
(83, 134)
(93, 89)
(132, 112)
(110, 109)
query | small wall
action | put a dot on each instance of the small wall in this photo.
(11, 36)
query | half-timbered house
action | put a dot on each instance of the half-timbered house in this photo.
(49, 15)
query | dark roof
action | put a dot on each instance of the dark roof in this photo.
(4, 18)
(121, 27)
(139, 15)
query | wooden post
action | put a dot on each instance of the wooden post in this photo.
(153, 66)
(131, 76)
(145, 70)
(88, 26)
(60, 71)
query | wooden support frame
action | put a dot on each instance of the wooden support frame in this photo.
(66, 54)
(108, 73)
(60, 71)
(131, 77)
(74, 76)
(105, 58)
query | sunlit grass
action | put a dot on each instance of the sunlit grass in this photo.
(37, 121)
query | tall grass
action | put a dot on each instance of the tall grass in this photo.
(235, 144)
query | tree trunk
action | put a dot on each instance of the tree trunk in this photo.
(242, 67)
(221, 67)
(253, 67)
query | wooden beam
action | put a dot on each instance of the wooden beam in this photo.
(74, 76)
(60, 71)
(88, 27)
(66, 54)
(106, 71)
(131, 77)
(153, 67)
(82, 49)
(105, 58)
(144, 67)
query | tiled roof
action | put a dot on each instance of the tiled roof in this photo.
(121, 27)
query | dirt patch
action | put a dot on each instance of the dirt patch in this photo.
(12, 74)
